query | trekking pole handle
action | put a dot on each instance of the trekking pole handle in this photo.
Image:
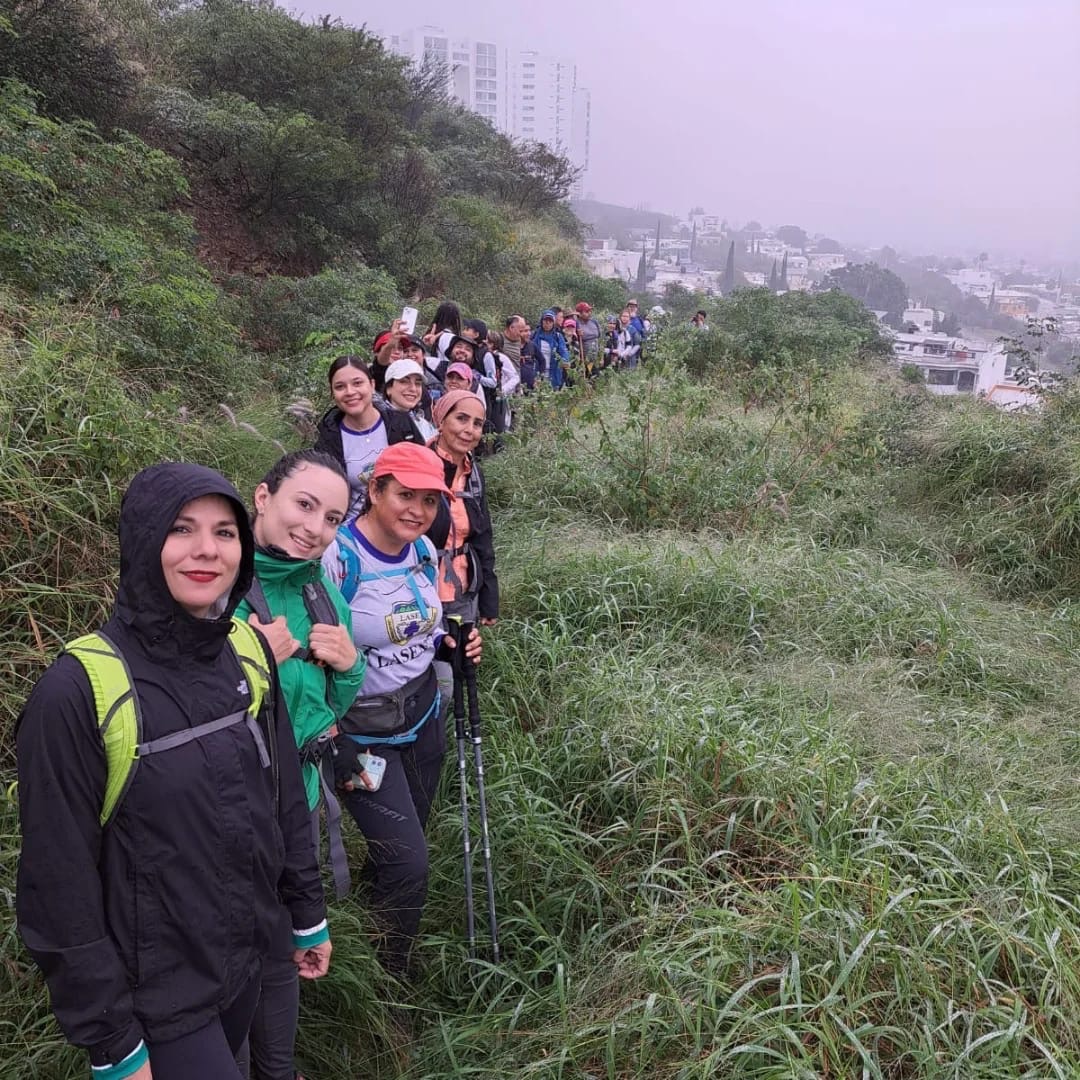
(464, 633)
(453, 656)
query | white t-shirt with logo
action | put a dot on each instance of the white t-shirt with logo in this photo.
(361, 448)
(396, 617)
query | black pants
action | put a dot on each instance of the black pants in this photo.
(268, 1054)
(392, 820)
(210, 1052)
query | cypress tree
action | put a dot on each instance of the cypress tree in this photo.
(727, 286)
(783, 275)
(774, 281)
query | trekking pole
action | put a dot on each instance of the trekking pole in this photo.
(481, 797)
(459, 732)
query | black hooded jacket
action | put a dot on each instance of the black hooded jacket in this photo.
(399, 428)
(148, 927)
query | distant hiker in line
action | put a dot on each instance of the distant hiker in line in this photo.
(507, 381)
(299, 506)
(640, 327)
(589, 335)
(151, 880)
(515, 333)
(628, 341)
(611, 342)
(519, 347)
(447, 325)
(551, 351)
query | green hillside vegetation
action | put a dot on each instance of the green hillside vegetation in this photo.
(781, 715)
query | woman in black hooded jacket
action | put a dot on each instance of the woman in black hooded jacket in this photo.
(151, 929)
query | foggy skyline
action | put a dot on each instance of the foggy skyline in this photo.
(937, 127)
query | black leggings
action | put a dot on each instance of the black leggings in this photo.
(268, 1053)
(210, 1052)
(392, 820)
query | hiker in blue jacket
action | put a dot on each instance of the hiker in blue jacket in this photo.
(551, 350)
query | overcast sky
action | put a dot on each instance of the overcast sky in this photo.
(931, 125)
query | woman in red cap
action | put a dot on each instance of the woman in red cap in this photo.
(392, 745)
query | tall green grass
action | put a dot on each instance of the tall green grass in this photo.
(783, 786)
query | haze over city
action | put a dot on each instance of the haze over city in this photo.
(942, 127)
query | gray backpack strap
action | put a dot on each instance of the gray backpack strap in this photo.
(182, 738)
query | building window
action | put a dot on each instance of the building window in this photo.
(941, 376)
(965, 382)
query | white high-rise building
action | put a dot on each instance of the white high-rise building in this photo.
(525, 94)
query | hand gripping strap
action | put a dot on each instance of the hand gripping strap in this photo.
(118, 715)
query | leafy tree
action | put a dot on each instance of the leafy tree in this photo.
(680, 302)
(69, 52)
(877, 288)
(793, 235)
(932, 288)
(530, 177)
(292, 177)
(888, 258)
(338, 74)
(571, 284)
(87, 221)
(826, 245)
(947, 324)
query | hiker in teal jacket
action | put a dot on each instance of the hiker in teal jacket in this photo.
(298, 508)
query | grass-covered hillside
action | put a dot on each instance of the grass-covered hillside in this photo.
(782, 736)
(781, 712)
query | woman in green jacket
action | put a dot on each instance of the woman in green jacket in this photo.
(298, 507)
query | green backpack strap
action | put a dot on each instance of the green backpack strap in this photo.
(118, 714)
(249, 651)
(116, 704)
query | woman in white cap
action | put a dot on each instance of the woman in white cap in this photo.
(404, 390)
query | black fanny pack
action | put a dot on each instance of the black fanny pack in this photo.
(390, 713)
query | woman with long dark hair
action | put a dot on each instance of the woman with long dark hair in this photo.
(299, 506)
(356, 428)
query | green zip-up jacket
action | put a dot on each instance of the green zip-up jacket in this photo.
(315, 702)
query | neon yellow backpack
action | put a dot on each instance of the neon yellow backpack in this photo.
(120, 717)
